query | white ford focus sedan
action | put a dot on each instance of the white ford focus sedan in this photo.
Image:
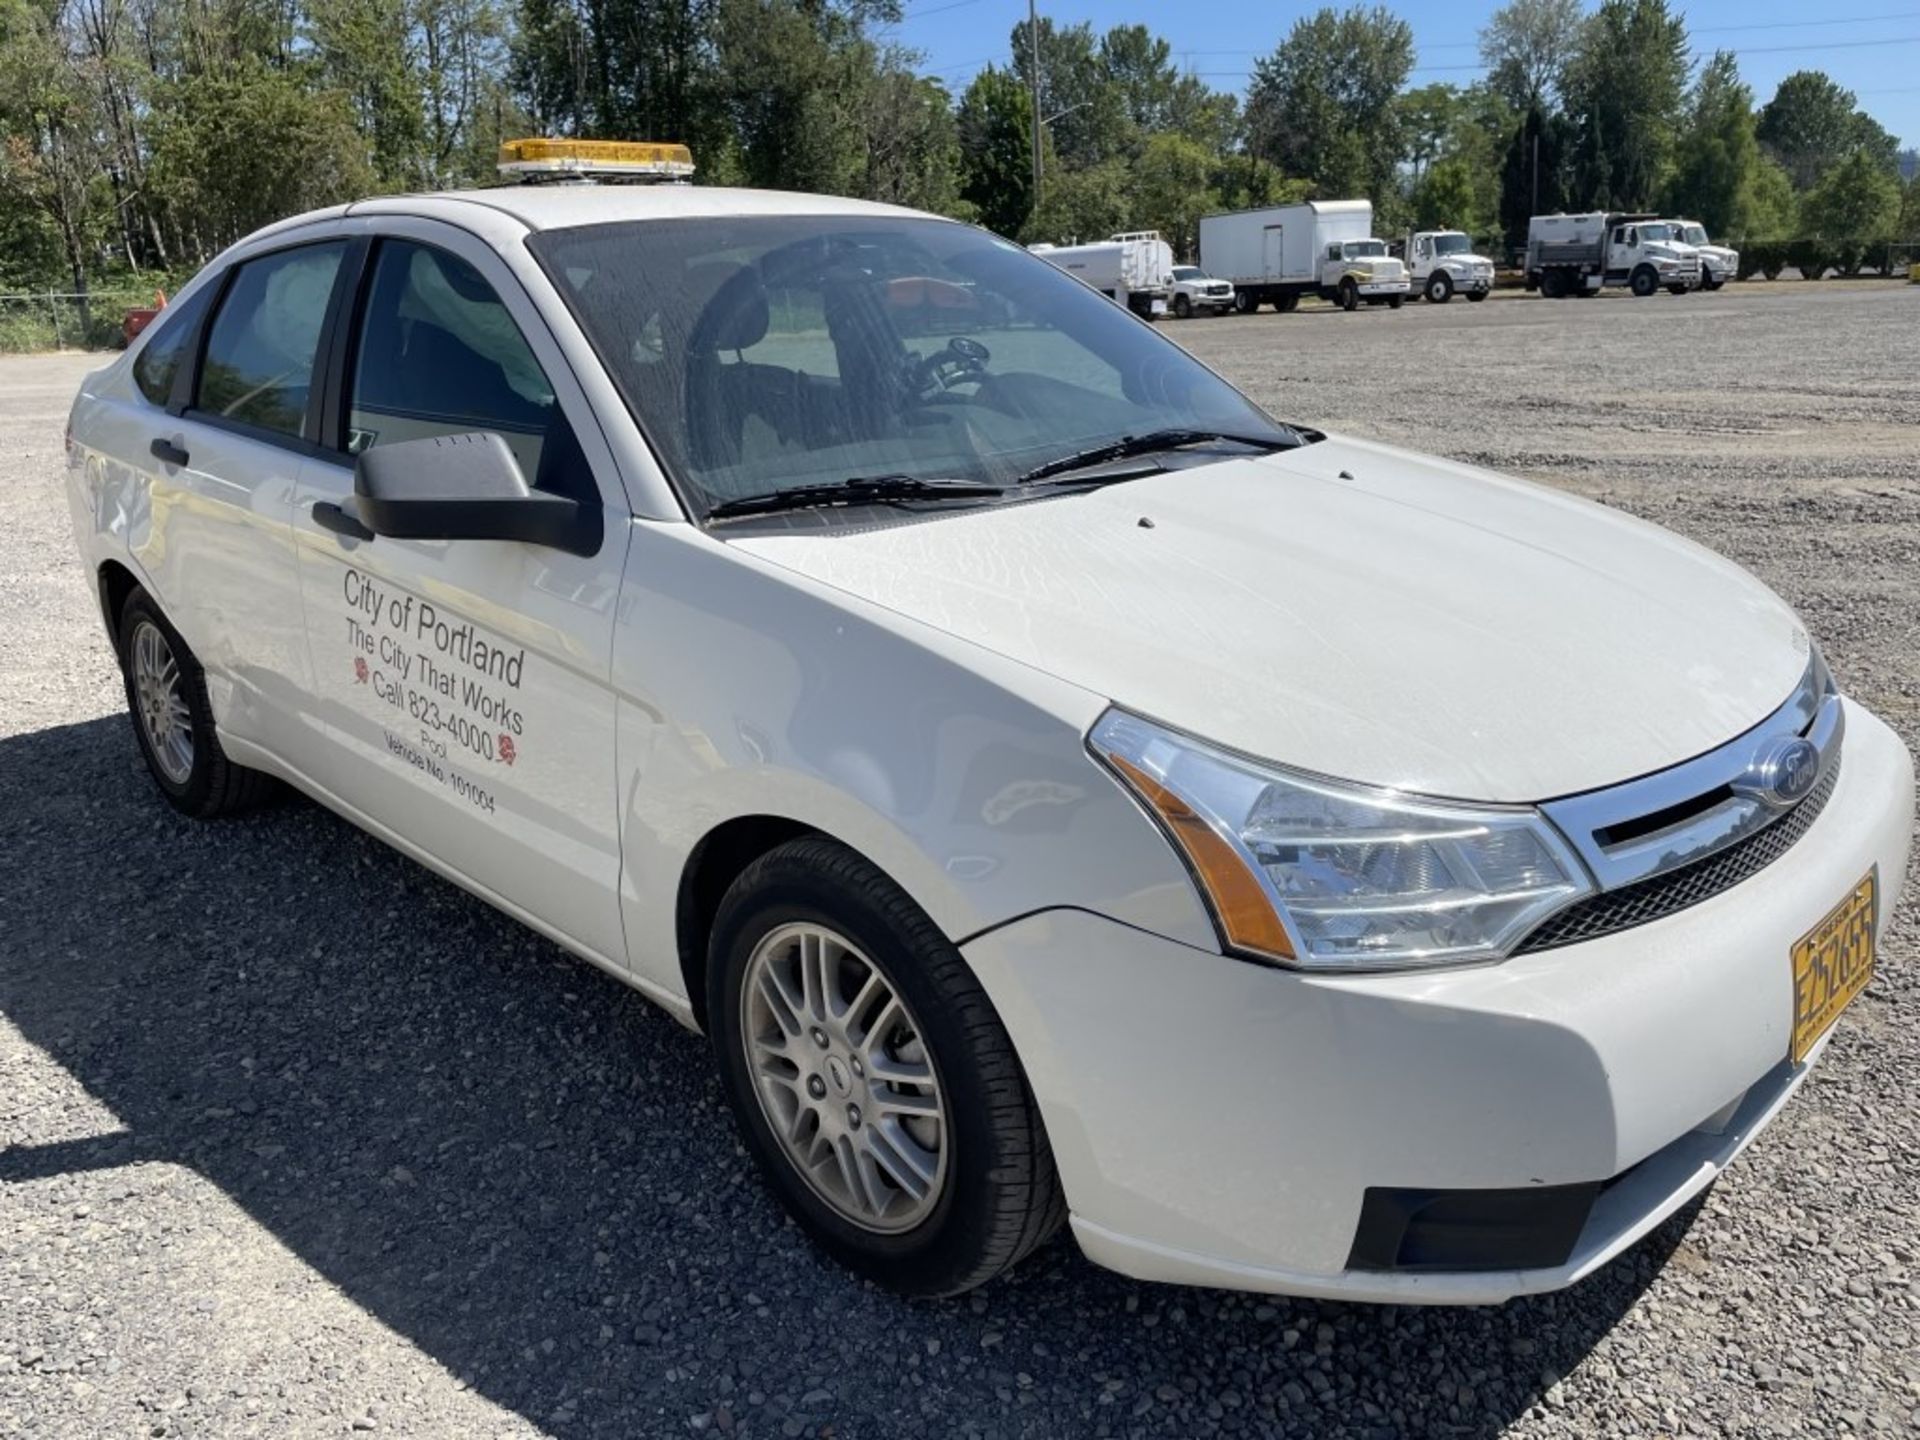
(1060, 790)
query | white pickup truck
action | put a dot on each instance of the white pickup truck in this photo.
(1442, 263)
(1197, 293)
(1578, 254)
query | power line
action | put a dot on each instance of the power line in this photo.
(1702, 30)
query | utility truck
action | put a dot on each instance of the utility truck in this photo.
(1134, 268)
(1442, 264)
(1718, 263)
(1276, 254)
(1580, 254)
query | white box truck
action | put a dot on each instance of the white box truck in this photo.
(1276, 254)
(1135, 268)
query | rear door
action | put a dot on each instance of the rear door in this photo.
(226, 458)
(465, 683)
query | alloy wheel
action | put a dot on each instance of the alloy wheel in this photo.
(844, 1078)
(164, 716)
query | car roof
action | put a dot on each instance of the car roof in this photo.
(552, 207)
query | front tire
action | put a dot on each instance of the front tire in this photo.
(872, 1080)
(1183, 307)
(1476, 296)
(1349, 295)
(1439, 287)
(173, 719)
(1645, 282)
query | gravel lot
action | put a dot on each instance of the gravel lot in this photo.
(302, 1141)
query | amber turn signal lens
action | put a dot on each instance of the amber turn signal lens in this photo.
(1239, 901)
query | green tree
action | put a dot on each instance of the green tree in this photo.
(912, 141)
(1533, 179)
(995, 125)
(1451, 196)
(239, 150)
(1172, 187)
(1625, 94)
(1809, 126)
(1084, 205)
(52, 161)
(1774, 208)
(1526, 46)
(1909, 227)
(1322, 106)
(1858, 204)
(1713, 178)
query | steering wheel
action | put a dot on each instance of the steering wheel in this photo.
(964, 359)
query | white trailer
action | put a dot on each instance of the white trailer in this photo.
(1135, 268)
(1276, 254)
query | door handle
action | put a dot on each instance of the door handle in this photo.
(164, 449)
(329, 516)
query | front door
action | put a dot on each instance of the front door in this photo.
(466, 682)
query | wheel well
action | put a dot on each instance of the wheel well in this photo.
(116, 584)
(716, 862)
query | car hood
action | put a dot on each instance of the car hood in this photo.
(1354, 610)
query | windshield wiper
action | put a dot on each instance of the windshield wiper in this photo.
(1154, 440)
(857, 490)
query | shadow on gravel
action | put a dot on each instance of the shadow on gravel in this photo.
(516, 1163)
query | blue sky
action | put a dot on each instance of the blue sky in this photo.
(1870, 46)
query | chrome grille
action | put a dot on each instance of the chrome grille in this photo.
(1666, 894)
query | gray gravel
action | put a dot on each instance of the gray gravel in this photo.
(302, 1141)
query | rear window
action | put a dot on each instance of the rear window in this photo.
(264, 340)
(171, 331)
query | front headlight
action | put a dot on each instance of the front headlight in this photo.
(1322, 875)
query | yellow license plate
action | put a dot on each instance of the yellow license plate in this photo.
(1832, 963)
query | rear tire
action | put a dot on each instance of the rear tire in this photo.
(1245, 303)
(173, 719)
(824, 978)
(1394, 302)
(1288, 303)
(1553, 284)
(1474, 297)
(1676, 289)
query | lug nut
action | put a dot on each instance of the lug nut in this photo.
(853, 1116)
(819, 1037)
(858, 1068)
(816, 1087)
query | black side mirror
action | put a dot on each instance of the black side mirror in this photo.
(466, 487)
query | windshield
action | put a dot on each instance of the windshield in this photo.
(760, 353)
(1694, 234)
(1364, 249)
(1651, 233)
(1189, 272)
(1451, 244)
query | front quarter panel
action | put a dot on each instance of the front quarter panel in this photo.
(748, 691)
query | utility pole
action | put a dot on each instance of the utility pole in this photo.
(1033, 80)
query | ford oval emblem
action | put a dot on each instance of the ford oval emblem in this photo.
(1781, 773)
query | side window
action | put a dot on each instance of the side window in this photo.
(440, 355)
(262, 344)
(159, 359)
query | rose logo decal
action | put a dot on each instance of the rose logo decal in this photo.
(359, 671)
(507, 751)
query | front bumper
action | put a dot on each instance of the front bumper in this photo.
(1218, 1122)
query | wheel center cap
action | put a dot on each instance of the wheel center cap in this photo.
(838, 1075)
